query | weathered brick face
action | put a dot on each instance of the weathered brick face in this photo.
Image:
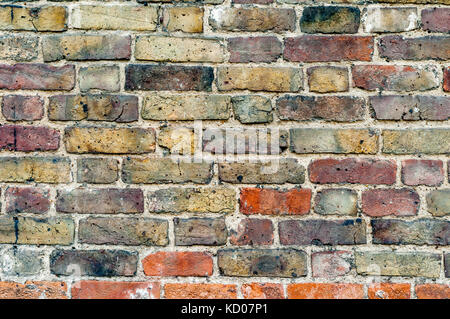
(225, 149)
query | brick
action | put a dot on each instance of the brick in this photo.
(36, 231)
(186, 19)
(109, 140)
(382, 20)
(100, 201)
(93, 107)
(267, 201)
(189, 263)
(251, 109)
(317, 48)
(123, 231)
(18, 48)
(253, 232)
(392, 263)
(438, 202)
(273, 79)
(97, 170)
(330, 19)
(252, 19)
(325, 79)
(328, 108)
(165, 170)
(36, 76)
(115, 17)
(192, 200)
(167, 49)
(413, 141)
(336, 202)
(22, 107)
(97, 263)
(262, 262)
(385, 202)
(325, 291)
(422, 172)
(38, 19)
(395, 47)
(322, 232)
(436, 19)
(395, 77)
(100, 77)
(341, 141)
(168, 77)
(352, 171)
(167, 107)
(331, 264)
(27, 200)
(200, 231)
(86, 47)
(387, 290)
(178, 140)
(28, 138)
(277, 171)
(446, 85)
(91, 289)
(410, 107)
(33, 290)
(447, 265)
(50, 170)
(254, 49)
(433, 291)
(416, 232)
(21, 261)
(244, 141)
(199, 291)
(262, 291)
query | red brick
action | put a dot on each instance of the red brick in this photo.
(254, 49)
(23, 76)
(28, 138)
(325, 291)
(387, 290)
(253, 231)
(91, 289)
(436, 19)
(384, 202)
(447, 79)
(353, 171)
(395, 77)
(433, 291)
(262, 291)
(275, 202)
(27, 200)
(200, 291)
(178, 264)
(395, 47)
(316, 48)
(422, 172)
(22, 108)
(33, 290)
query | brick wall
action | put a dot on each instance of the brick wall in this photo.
(225, 149)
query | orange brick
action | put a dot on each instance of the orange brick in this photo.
(389, 291)
(91, 289)
(33, 290)
(325, 291)
(200, 291)
(274, 202)
(433, 291)
(178, 264)
(262, 291)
